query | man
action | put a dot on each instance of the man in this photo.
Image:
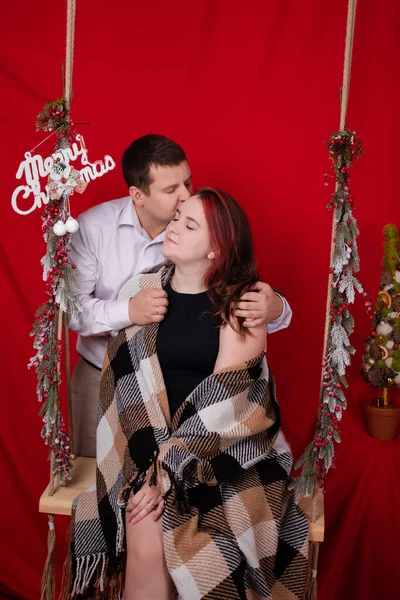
(119, 239)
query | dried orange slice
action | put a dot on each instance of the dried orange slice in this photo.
(386, 298)
(385, 351)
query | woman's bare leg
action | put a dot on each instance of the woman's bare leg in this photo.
(146, 576)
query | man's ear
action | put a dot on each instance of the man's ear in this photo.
(211, 255)
(137, 196)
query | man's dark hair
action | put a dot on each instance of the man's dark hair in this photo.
(151, 150)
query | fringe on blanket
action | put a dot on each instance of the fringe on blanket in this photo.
(92, 579)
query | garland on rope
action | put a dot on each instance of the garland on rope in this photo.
(55, 117)
(344, 147)
(58, 272)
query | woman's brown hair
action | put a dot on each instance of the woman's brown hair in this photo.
(233, 271)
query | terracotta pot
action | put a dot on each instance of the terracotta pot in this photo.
(382, 423)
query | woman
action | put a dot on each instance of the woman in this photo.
(189, 429)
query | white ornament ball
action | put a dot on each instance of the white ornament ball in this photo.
(384, 328)
(59, 228)
(71, 225)
(389, 361)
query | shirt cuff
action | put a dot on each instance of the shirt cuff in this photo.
(283, 320)
(118, 315)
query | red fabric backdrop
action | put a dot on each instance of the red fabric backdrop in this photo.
(251, 91)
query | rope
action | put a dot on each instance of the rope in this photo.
(348, 55)
(311, 586)
(69, 57)
(48, 577)
(69, 63)
(351, 16)
(58, 320)
(68, 380)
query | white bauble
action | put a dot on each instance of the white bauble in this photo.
(389, 361)
(397, 276)
(71, 225)
(397, 379)
(59, 228)
(384, 328)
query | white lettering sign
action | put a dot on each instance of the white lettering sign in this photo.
(35, 167)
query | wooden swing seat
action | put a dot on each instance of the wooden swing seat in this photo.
(84, 474)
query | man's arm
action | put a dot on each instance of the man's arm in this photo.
(101, 317)
(98, 317)
(283, 321)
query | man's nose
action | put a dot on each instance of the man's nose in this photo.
(184, 193)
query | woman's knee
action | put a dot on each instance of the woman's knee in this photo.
(144, 542)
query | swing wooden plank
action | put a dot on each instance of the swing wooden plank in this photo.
(84, 474)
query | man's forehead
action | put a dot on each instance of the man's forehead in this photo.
(168, 175)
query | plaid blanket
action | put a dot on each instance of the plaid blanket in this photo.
(231, 528)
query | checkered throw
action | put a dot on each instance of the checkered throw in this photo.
(231, 527)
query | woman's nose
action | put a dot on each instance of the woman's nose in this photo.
(172, 227)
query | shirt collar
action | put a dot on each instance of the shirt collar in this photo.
(128, 216)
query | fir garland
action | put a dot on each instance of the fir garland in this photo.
(58, 272)
(344, 147)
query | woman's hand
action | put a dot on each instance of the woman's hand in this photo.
(148, 499)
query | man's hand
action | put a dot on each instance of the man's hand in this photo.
(259, 307)
(148, 499)
(148, 306)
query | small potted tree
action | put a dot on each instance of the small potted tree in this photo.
(381, 360)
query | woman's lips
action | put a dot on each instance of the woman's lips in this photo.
(171, 240)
